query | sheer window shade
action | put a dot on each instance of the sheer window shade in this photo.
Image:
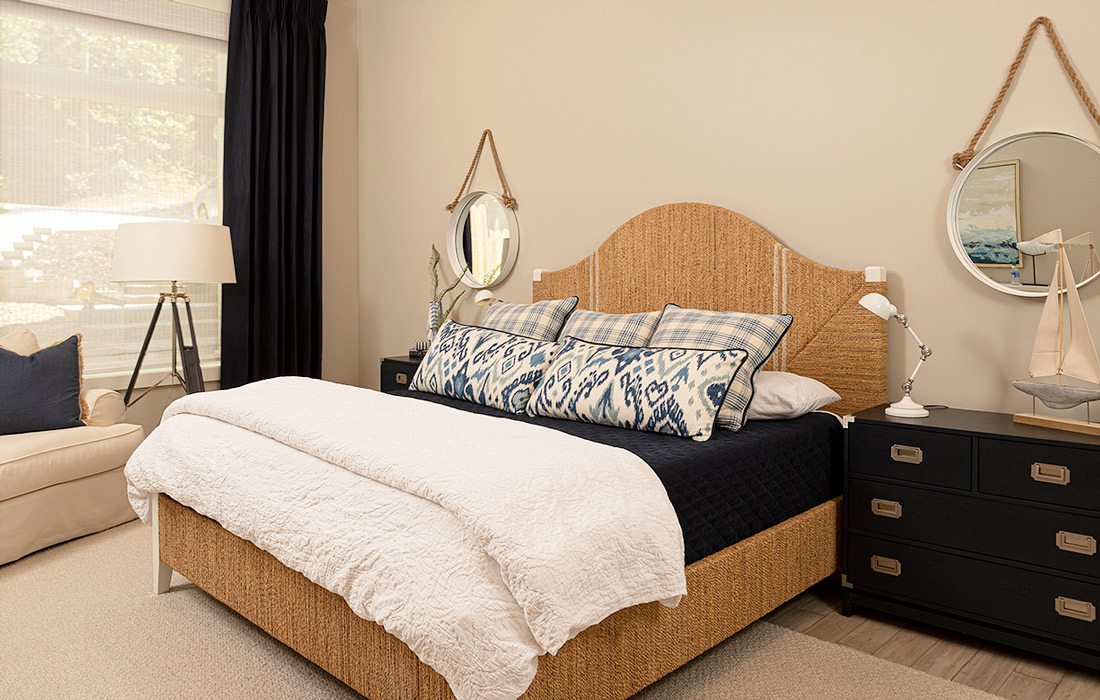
(110, 111)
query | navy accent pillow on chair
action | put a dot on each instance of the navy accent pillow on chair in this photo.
(40, 391)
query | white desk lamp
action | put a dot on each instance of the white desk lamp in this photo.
(485, 297)
(173, 252)
(881, 307)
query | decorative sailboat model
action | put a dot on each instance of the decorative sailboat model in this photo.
(1065, 370)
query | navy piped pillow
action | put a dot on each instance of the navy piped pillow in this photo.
(483, 366)
(40, 391)
(660, 390)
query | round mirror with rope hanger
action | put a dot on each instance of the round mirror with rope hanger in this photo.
(483, 235)
(1022, 187)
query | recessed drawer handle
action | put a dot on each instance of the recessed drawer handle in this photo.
(1077, 609)
(907, 454)
(1076, 543)
(885, 565)
(401, 378)
(885, 509)
(1050, 473)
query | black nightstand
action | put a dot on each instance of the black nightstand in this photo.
(397, 372)
(968, 521)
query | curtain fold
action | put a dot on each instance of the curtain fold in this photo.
(274, 113)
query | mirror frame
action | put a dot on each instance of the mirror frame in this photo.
(454, 241)
(953, 209)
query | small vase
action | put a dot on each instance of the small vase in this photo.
(435, 310)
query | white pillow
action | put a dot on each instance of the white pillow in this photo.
(782, 395)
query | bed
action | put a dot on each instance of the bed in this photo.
(699, 256)
(730, 487)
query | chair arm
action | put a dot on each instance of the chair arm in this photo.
(105, 407)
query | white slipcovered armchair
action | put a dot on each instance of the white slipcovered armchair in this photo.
(59, 484)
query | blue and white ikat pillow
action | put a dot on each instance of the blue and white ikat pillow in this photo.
(660, 390)
(483, 366)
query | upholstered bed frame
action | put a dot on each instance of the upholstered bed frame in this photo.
(699, 256)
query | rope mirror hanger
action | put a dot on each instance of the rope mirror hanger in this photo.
(960, 159)
(506, 193)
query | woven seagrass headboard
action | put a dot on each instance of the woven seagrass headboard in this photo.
(706, 257)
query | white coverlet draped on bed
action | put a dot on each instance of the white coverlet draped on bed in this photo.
(480, 542)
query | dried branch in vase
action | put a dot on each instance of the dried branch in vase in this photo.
(437, 315)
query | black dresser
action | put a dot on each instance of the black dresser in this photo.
(968, 521)
(397, 372)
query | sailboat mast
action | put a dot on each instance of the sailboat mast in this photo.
(1061, 314)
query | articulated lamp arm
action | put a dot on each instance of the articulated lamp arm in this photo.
(925, 352)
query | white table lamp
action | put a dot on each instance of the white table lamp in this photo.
(881, 307)
(173, 252)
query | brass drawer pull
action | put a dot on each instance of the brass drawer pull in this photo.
(1077, 609)
(1050, 473)
(885, 565)
(401, 378)
(1076, 543)
(885, 509)
(907, 454)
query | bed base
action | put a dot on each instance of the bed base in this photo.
(727, 591)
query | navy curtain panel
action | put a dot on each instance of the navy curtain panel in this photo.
(274, 109)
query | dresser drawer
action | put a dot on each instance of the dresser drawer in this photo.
(1065, 476)
(397, 375)
(1018, 533)
(1042, 603)
(923, 456)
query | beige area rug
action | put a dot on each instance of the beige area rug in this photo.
(79, 621)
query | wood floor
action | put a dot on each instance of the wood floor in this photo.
(992, 668)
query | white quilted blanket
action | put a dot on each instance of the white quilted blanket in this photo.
(480, 542)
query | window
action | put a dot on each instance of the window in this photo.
(111, 111)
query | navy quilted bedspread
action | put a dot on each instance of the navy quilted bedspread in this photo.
(730, 487)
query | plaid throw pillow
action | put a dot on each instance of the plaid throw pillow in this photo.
(757, 334)
(539, 321)
(629, 330)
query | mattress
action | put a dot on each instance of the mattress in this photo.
(727, 488)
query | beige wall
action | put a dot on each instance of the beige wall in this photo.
(830, 123)
(340, 213)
